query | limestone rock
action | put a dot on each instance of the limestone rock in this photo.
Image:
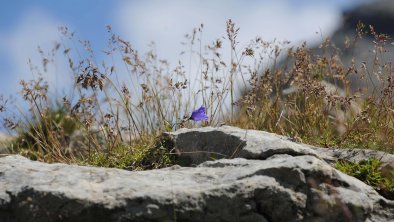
(270, 178)
(354, 155)
(199, 145)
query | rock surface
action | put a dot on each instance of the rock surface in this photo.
(269, 178)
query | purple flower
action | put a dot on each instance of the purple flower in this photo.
(199, 114)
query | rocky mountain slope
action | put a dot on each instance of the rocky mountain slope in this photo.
(378, 14)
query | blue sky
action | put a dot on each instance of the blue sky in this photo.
(25, 24)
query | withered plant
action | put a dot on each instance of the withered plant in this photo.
(118, 108)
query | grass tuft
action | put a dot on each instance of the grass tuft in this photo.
(117, 109)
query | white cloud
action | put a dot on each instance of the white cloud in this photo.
(166, 22)
(35, 28)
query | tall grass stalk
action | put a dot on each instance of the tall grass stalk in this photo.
(118, 108)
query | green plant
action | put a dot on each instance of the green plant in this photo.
(365, 170)
(369, 172)
(41, 128)
(142, 155)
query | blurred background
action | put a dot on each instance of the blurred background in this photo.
(26, 25)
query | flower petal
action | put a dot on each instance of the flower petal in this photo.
(199, 114)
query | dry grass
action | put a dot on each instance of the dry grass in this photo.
(118, 109)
